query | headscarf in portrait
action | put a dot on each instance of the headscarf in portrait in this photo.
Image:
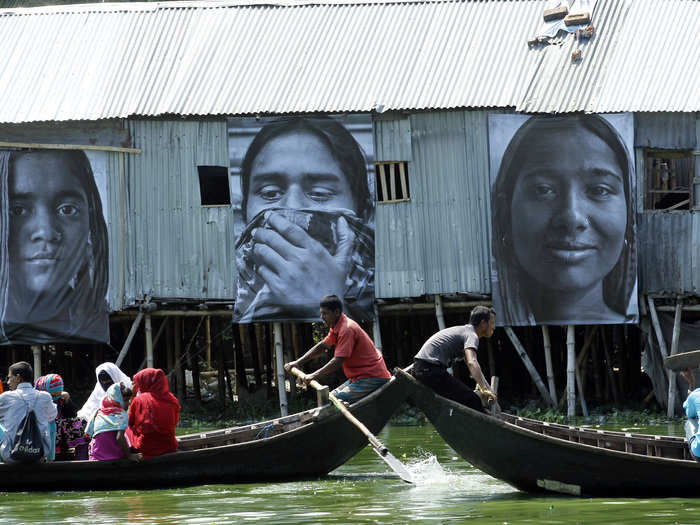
(320, 224)
(78, 311)
(619, 284)
(98, 393)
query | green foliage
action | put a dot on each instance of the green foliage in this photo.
(599, 416)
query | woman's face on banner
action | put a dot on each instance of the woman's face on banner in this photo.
(49, 222)
(296, 170)
(569, 210)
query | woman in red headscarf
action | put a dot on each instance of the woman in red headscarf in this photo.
(153, 414)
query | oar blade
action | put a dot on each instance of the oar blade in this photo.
(395, 465)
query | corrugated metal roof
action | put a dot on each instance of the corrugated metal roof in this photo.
(102, 61)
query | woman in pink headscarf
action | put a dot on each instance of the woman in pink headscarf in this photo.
(153, 414)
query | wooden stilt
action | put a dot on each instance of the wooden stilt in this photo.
(596, 368)
(672, 387)
(439, 313)
(376, 330)
(207, 336)
(530, 367)
(279, 361)
(657, 328)
(239, 359)
(149, 342)
(570, 371)
(36, 351)
(221, 371)
(548, 362)
(129, 339)
(608, 367)
(169, 346)
(267, 343)
(579, 385)
(179, 368)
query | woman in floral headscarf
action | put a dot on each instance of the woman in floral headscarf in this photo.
(107, 428)
(66, 431)
(153, 415)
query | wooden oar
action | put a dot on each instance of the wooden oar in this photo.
(377, 445)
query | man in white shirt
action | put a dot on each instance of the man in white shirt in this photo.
(15, 404)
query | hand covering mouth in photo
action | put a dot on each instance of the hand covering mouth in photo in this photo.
(322, 226)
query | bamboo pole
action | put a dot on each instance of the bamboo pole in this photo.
(672, 387)
(129, 338)
(149, 341)
(279, 358)
(570, 371)
(439, 313)
(530, 367)
(548, 364)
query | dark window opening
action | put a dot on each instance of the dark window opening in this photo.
(669, 180)
(213, 185)
(392, 182)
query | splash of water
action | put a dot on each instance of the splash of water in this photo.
(428, 473)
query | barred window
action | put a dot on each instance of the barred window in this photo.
(392, 182)
(669, 179)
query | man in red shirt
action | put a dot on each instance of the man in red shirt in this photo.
(362, 363)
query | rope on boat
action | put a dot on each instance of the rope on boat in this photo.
(264, 432)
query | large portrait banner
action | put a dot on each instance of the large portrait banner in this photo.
(563, 219)
(53, 247)
(303, 197)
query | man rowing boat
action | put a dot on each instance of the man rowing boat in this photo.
(452, 344)
(353, 350)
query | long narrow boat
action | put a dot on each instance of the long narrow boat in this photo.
(536, 456)
(301, 446)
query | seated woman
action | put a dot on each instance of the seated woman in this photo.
(153, 415)
(108, 426)
(67, 432)
(107, 374)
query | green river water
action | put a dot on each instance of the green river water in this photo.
(448, 490)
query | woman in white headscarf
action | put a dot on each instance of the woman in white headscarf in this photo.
(107, 375)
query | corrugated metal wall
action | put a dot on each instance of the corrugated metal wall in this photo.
(668, 242)
(439, 241)
(175, 247)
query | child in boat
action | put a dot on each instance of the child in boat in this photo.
(67, 432)
(153, 415)
(692, 411)
(107, 428)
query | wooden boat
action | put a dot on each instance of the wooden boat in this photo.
(536, 456)
(683, 360)
(304, 445)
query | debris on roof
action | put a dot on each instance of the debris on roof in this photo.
(563, 15)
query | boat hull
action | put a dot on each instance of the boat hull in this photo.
(308, 451)
(533, 462)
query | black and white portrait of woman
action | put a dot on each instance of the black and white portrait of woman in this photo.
(308, 221)
(53, 241)
(562, 203)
